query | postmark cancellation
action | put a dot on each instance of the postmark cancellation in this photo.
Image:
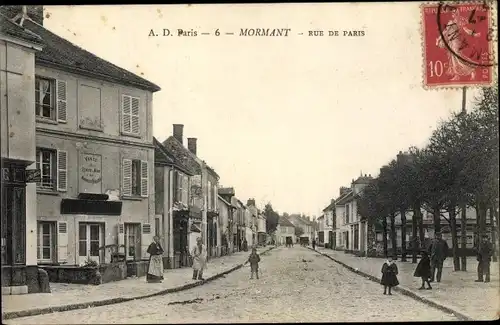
(458, 45)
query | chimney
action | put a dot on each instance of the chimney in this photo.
(251, 202)
(19, 13)
(192, 145)
(178, 132)
(332, 201)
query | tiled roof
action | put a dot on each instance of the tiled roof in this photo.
(285, 222)
(331, 206)
(345, 198)
(62, 54)
(163, 156)
(223, 200)
(226, 191)
(182, 155)
(14, 30)
(300, 219)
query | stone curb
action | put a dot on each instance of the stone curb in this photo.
(99, 303)
(403, 290)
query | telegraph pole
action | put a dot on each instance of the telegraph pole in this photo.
(463, 205)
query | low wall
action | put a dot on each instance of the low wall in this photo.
(87, 275)
(113, 272)
(137, 268)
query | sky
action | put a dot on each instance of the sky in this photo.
(286, 120)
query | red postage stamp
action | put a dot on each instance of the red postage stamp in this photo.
(458, 45)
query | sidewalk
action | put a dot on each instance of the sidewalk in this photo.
(77, 296)
(456, 291)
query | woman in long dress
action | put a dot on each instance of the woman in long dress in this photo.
(199, 255)
(155, 270)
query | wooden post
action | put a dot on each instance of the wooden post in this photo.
(463, 205)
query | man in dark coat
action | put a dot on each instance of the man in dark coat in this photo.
(438, 251)
(484, 253)
(314, 244)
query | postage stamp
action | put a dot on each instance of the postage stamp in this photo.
(458, 45)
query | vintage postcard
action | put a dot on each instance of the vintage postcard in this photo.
(249, 163)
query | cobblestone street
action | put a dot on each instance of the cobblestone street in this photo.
(296, 285)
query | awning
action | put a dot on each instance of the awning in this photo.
(91, 207)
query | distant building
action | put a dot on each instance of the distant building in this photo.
(284, 229)
(302, 222)
(329, 225)
(204, 190)
(173, 207)
(229, 232)
(351, 230)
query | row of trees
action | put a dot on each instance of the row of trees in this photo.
(457, 169)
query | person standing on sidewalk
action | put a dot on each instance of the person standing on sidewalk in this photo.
(389, 275)
(314, 244)
(438, 251)
(155, 269)
(423, 271)
(484, 253)
(199, 254)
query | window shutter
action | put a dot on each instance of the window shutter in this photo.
(215, 197)
(146, 238)
(144, 178)
(178, 189)
(62, 170)
(120, 237)
(61, 101)
(209, 203)
(135, 116)
(185, 187)
(62, 242)
(127, 177)
(126, 113)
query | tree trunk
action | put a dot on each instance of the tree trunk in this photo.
(384, 233)
(393, 236)
(370, 238)
(463, 235)
(414, 225)
(420, 225)
(454, 239)
(481, 216)
(494, 226)
(403, 234)
(437, 219)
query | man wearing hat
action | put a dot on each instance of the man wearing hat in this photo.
(484, 253)
(438, 251)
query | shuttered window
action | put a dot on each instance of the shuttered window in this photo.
(127, 177)
(61, 101)
(144, 178)
(130, 115)
(62, 170)
(178, 188)
(135, 178)
(185, 189)
(210, 195)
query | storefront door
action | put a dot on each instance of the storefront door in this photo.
(91, 238)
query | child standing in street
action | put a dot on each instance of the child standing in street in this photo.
(423, 271)
(254, 260)
(389, 275)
